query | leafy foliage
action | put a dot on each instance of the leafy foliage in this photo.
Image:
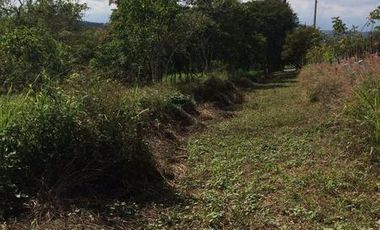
(375, 16)
(345, 43)
(57, 142)
(367, 110)
(298, 43)
(48, 36)
(26, 54)
(148, 41)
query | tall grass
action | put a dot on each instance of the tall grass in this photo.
(11, 108)
(327, 82)
(368, 108)
(355, 83)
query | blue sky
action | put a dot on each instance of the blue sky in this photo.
(353, 12)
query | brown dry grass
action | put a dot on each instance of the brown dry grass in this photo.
(334, 83)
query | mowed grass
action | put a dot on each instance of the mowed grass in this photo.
(281, 163)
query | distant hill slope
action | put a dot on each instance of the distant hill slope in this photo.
(331, 33)
(93, 24)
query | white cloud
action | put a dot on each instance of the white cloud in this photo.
(99, 10)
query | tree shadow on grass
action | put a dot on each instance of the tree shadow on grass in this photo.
(144, 187)
(277, 80)
(268, 86)
(108, 197)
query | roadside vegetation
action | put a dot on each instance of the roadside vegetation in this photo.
(344, 71)
(99, 112)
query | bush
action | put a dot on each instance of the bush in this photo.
(91, 137)
(151, 102)
(25, 54)
(298, 43)
(320, 54)
(56, 144)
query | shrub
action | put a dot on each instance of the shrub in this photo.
(320, 54)
(164, 104)
(58, 143)
(25, 53)
(298, 43)
(150, 102)
(88, 137)
(10, 109)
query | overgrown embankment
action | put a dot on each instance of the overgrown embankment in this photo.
(94, 137)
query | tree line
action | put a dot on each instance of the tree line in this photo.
(149, 40)
(145, 41)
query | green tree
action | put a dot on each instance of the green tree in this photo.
(250, 34)
(190, 46)
(341, 40)
(276, 19)
(298, 43)
(60, 20)
(339, 27)
(25, 55)
(55, 16)
(150, 39)
(144, 28)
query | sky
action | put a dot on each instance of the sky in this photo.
(353, 12)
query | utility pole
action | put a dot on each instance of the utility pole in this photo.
(315, 14)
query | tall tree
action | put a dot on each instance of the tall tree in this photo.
(143, 27)
(298, 43)
(276, 19)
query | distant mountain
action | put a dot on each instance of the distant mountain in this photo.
(327, 32)
(330, 33)
(93, 24)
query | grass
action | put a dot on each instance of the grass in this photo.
(353, 84)
(279, 163)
